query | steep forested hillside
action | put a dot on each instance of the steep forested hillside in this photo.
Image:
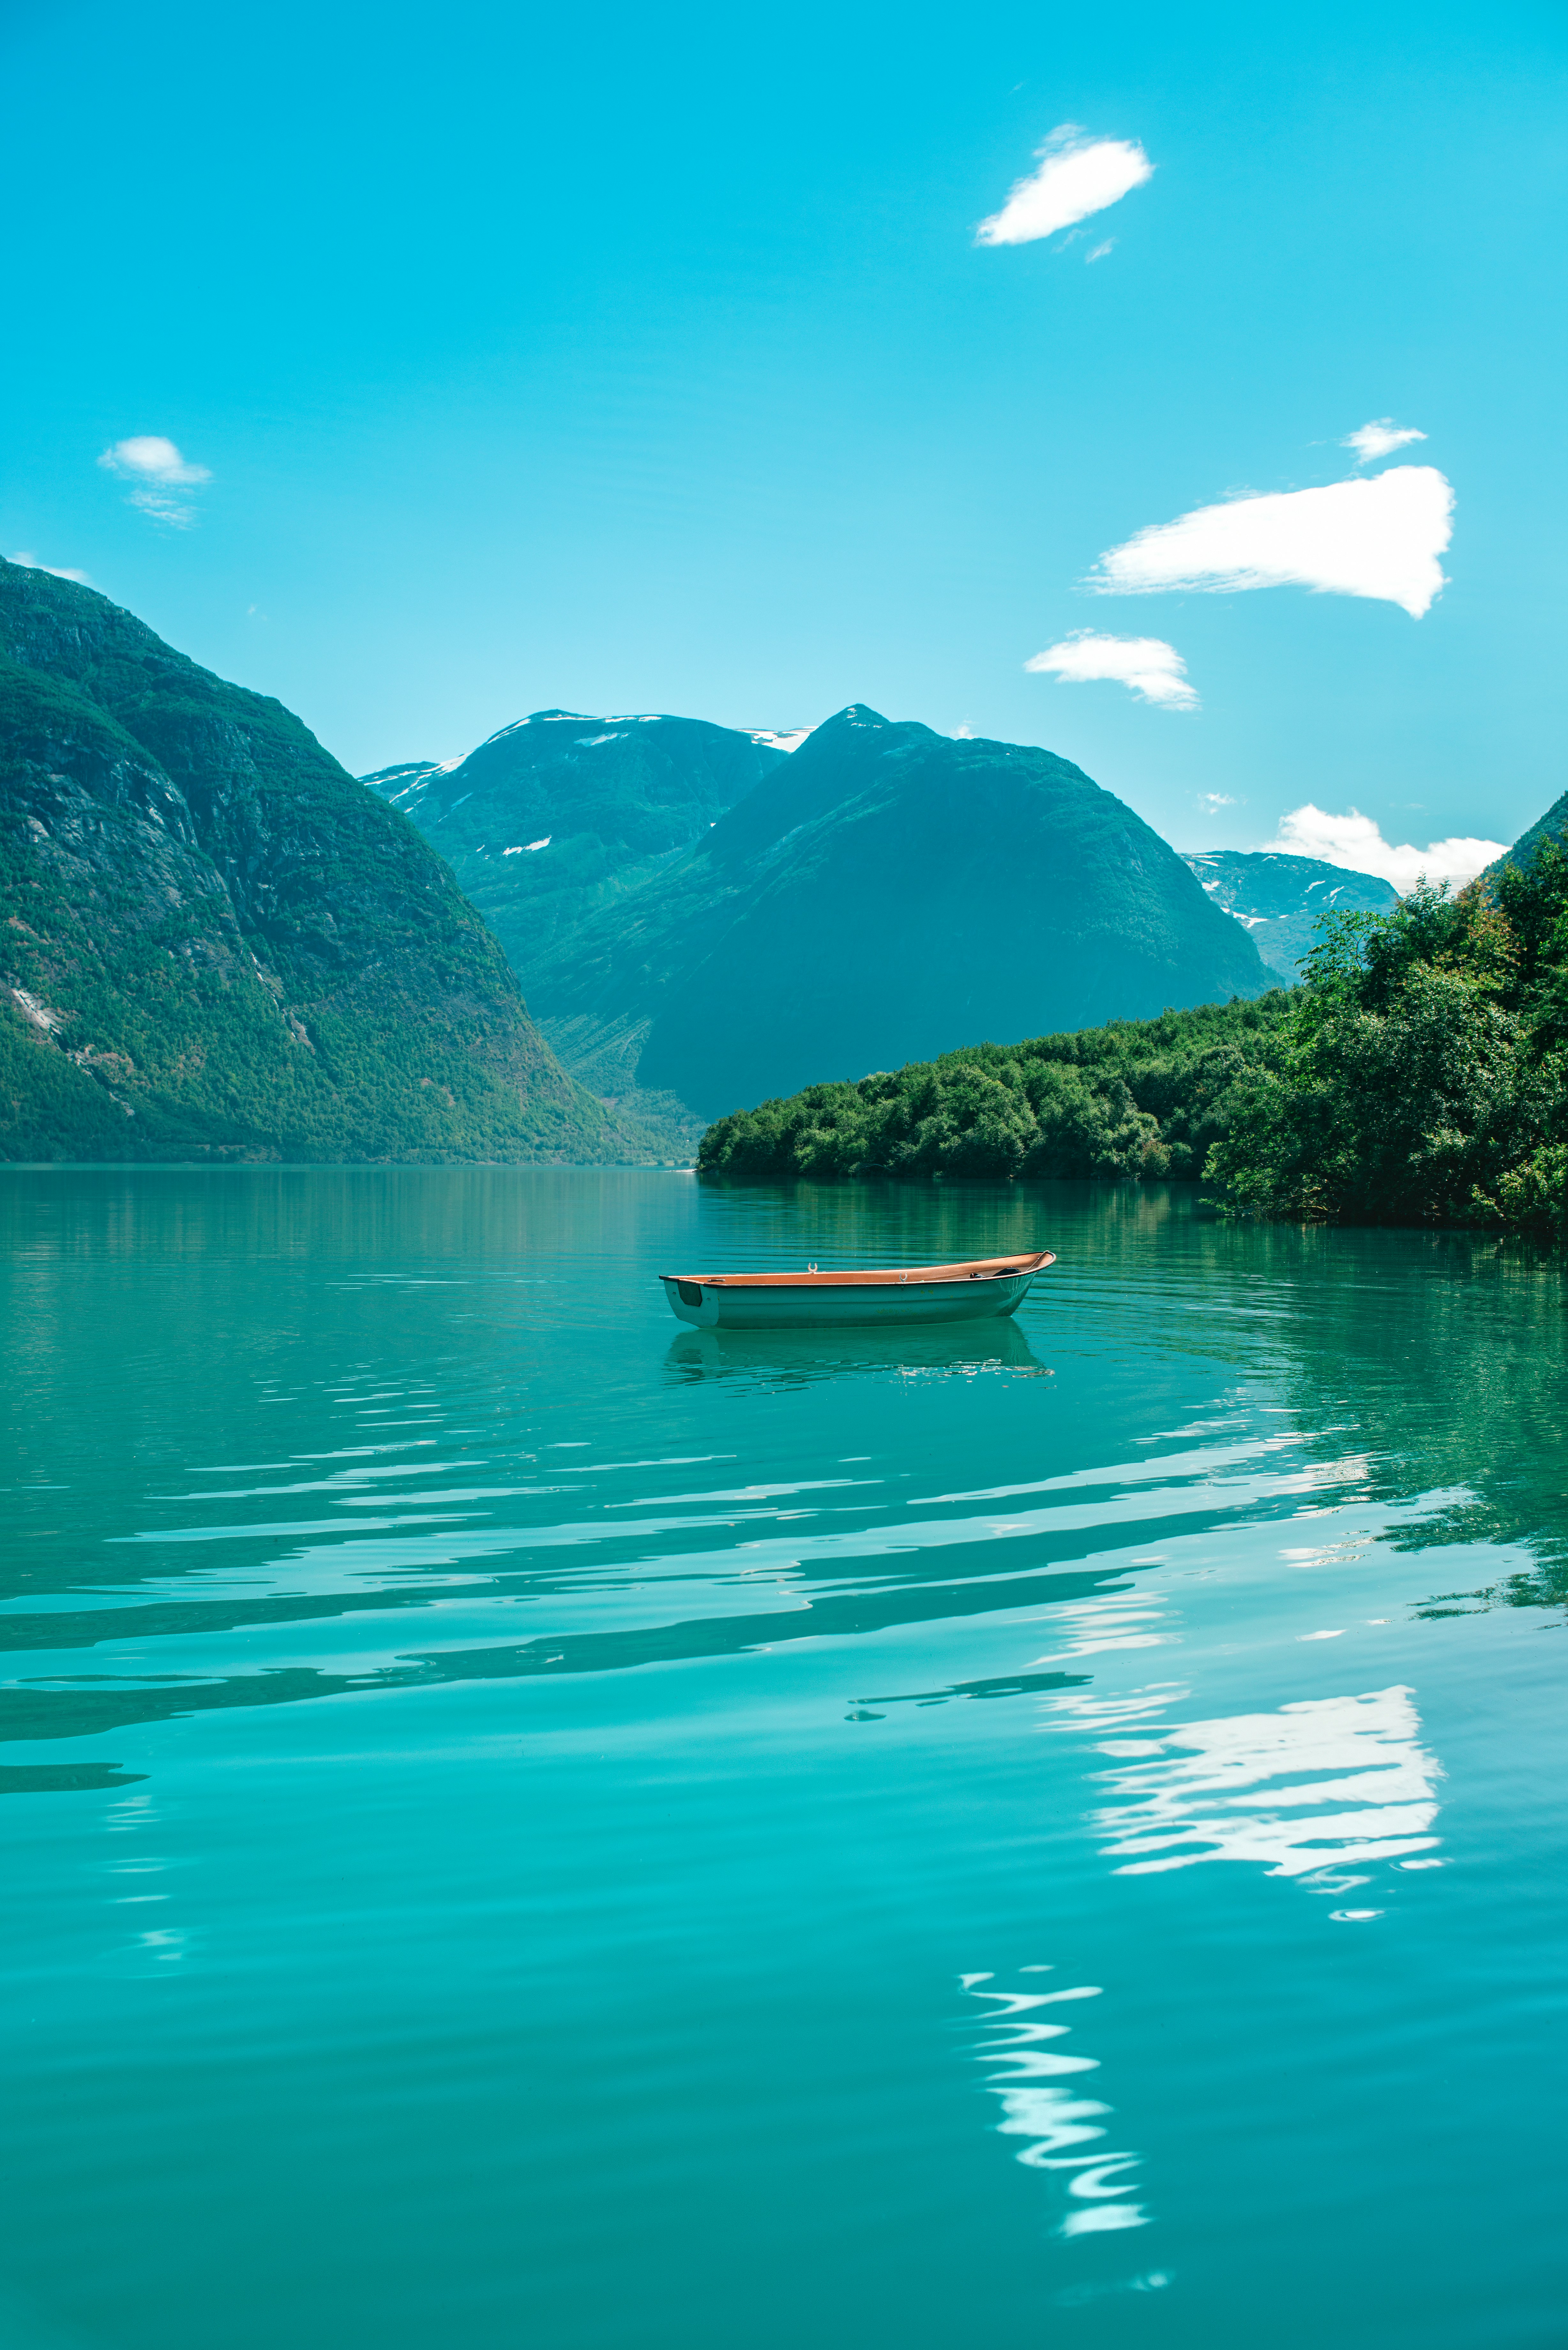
(1551, 827)
(218, 944)
(886, 894)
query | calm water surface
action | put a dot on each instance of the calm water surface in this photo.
(530, 1825)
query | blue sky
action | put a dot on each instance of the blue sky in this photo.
(634, 362)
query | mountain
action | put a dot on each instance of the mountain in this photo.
(389, 782)
(885, 895)
(1281, 899)
(559, 815)
(217, 944)
(1552, 826)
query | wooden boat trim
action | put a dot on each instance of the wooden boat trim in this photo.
(990, 1268)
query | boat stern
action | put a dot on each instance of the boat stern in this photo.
(690, 1301)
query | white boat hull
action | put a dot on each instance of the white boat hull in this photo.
(708, 1306)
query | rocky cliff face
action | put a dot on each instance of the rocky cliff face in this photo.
(217, 943)
(887, 895)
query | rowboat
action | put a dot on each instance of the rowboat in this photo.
(800, 1301)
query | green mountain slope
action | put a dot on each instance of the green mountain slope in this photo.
(1552, 826)
(1280, 901)
(884, 896)
(217, 944)
(560, 815)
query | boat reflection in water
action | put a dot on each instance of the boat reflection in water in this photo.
(799, 1357)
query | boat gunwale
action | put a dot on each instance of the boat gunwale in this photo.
(925, 1277)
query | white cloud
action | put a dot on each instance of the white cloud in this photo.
(1212, 800)
(1380, 538)
(1355, 843)
(56, 570)
(148, 456)
(1379, 439)
(1154, 670)
(158, 470)
(1100, 250)
(1077, 176)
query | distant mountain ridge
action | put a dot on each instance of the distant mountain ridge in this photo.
(217, 944)
(1281, 899)
(887, 895)
(561, 813)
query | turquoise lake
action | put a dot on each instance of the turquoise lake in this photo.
(530, 1825)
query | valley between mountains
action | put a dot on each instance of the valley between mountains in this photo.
(584, 942)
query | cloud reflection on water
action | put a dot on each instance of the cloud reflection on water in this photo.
(1320, 1784)
(1031, 2079)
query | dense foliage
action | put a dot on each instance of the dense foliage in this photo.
(1425, 1079)
(1136, 1098)
(1420, 1075)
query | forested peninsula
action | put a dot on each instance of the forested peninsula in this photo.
(1419, 1075)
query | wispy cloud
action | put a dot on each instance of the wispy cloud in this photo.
(1077, 175)
(1355, 843)
(1380, 538)
(56, 570)
(1379, 439)
(1212, 800)
(1100, 250)
(158, 471)
(1153, 669)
